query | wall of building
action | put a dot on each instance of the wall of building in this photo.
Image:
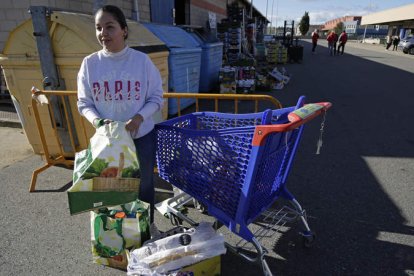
(400, 20)
(354, 30)
(331, 24)
(13, 13)
(199, 10)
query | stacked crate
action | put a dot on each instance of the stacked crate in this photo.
(237, 79)
(227, 79)
(222, 37)
(230, 34)
(261, 66)
(261, 59)
(276, 53)
(246, 79)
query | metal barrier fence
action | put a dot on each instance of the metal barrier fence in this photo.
(47, 105)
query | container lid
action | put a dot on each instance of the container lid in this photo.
(73, 34)
(173, 37)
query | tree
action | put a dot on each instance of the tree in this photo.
(339, 27)
(304, 24)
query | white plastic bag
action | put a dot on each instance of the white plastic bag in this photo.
(177, 251)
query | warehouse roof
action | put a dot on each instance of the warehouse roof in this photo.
(403, 13)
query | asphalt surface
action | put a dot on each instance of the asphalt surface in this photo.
(358, 192)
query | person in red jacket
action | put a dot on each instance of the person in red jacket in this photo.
(343, 38)
(335, 40)
(315, 37)
(332, 37)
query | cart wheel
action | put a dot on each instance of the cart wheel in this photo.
(200, 207)
(176, 221)
(308, 239)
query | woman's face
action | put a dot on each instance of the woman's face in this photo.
(109, 33)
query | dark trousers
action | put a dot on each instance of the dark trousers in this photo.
(334, 49)
(388, 45)
(341, 46)
(146, 147)
(313, 46)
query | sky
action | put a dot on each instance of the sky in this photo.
(321, 11)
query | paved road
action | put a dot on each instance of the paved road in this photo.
(358, 193)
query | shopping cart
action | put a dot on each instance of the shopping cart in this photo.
(235, 164)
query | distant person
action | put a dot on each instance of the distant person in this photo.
(315, 37)
(388, 41)
(331, 39)
(395, 42)
(335, 40)
(343, 38)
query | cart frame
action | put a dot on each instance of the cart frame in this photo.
(237, 165)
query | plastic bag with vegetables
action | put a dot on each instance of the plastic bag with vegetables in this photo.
(107, 173)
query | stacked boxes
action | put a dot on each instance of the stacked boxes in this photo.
(231, 36)
(246, 79)
(276, 53)
(238, 79)
(261, 59)
(261, 67)
(227, 79)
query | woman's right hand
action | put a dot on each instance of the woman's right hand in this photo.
(98, 122)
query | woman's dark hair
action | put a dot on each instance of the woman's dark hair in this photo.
(117, 14)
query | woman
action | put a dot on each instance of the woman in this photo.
(118, 83)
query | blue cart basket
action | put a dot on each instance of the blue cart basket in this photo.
(235, 164)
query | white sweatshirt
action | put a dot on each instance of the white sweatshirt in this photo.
(118, 86)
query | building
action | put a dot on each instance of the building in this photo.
(331, 24)
(201, 14)
(400, 20)
(186, 12)
(179, 12)
(355, 30)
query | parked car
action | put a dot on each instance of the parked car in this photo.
(407, 45)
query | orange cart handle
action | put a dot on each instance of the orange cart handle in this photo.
(296, 118)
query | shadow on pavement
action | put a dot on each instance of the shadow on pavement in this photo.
(64, 188)
(358, 191)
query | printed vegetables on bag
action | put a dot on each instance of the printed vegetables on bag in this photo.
(107, 172)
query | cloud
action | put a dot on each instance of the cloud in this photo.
(320, 17)
(319, 11)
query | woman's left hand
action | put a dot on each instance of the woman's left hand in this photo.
(134, 123)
